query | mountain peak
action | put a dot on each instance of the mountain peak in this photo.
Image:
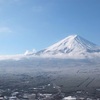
(73, 36)
(71, 45)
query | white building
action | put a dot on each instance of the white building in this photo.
(69, 98)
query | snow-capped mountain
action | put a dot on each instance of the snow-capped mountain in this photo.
(72, 46)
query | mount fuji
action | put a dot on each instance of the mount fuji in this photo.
(73, 46)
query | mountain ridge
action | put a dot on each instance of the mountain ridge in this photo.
(73, 45)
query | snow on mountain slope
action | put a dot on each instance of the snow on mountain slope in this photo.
(72, 46)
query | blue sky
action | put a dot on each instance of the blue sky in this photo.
(37, 24)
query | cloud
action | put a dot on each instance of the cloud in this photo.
(30, 52)
(5, 30)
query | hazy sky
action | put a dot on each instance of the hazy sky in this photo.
(37, 24)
